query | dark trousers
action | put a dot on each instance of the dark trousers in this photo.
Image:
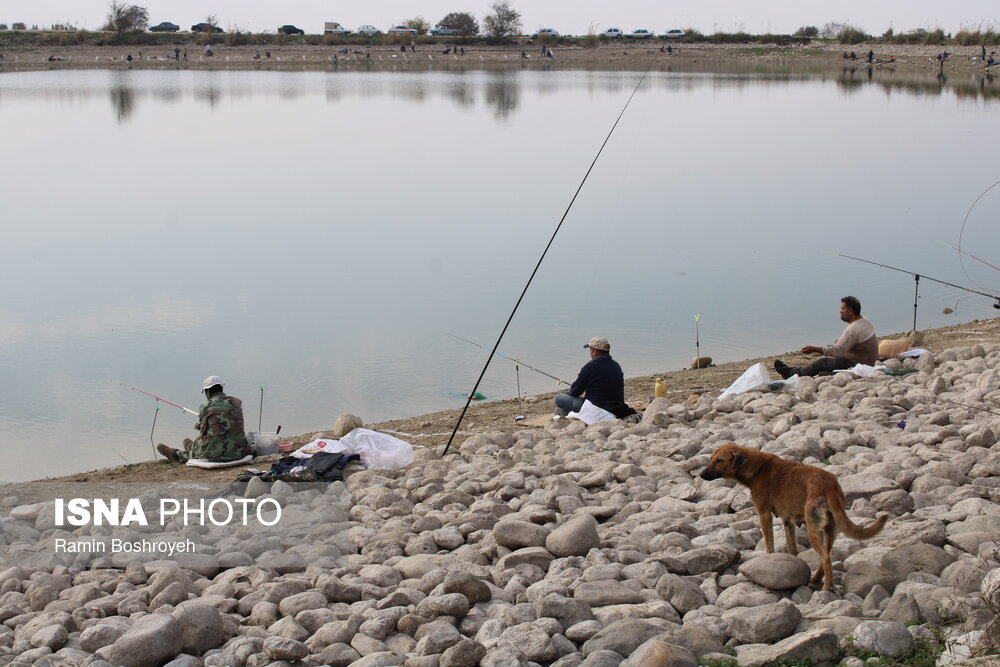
(822, 365)
(569, 403)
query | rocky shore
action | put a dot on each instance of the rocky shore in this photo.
(568, 545)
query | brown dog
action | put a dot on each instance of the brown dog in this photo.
(794, 492)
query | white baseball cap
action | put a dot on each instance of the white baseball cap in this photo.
(211, 381)
(599, 343)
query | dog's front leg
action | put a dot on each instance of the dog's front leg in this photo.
(791, 543)
(767, 528)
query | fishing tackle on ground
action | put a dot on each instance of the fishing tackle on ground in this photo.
(155, 413)
(916, 286)
(482, 374)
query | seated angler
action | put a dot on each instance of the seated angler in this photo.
(857, 345)
(220, 424)
(601, 381)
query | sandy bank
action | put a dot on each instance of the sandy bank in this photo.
(631, 55)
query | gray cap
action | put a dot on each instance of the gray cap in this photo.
(599, 343)
(211, 381)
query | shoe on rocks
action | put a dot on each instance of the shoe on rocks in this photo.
(783, 369)
(169, 452)
(559, 412)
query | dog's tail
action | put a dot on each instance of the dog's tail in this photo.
(848, 527)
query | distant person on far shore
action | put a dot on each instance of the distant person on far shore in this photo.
(982, 54)
(871, 56)
(601, 381)
(220, 424)
(208, 50)
(857, 345)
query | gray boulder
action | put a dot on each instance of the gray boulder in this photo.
(514, 534)
(777, 571)
(576, 537)
(201, 626)
(814, 646)
(655, 652)
(151, 641)
(884, 637)
(756, 625)
(621, 637)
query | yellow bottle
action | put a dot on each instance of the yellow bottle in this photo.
(661, 389)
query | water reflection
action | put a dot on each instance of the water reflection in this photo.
(123, 102)
(497, 88)
(503, 93)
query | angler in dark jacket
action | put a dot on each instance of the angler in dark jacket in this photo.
(600, 381)
(220, 424)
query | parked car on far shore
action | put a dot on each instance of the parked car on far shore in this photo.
(673, 34)
(640, 33)
(206, 27)
(401, 30)
(288, 29)
(334, 28)
(369, 30)
(444, 31)
(545, 32)
(612, 33)
(166, 26)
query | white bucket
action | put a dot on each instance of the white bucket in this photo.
(263, 443)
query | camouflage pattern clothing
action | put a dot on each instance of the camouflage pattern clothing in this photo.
(222, 438)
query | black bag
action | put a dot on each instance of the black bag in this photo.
(329, 466)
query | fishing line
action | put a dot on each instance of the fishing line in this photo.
(468, 401)
(917, 277)
(961, 233)
(516, 361)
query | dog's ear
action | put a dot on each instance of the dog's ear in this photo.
(739, 460)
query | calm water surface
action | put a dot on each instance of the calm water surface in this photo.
(320, 234)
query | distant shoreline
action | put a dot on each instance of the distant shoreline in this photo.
(638, 55)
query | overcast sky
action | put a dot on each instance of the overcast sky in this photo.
(567, 16)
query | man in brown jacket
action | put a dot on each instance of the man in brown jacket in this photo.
(857, 345)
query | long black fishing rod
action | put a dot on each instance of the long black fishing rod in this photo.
(916, 288)
(472, 393)
(516, 361)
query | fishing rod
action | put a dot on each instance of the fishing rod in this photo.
(916, 287)
(472, 393)
(969, 254)
(159, 398)
(516, 361)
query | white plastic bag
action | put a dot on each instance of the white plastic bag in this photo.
(755, 378)
(591, 414)
(377, 450)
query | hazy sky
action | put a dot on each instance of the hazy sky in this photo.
(567, 16)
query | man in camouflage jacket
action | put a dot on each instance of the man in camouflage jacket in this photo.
(220, 424)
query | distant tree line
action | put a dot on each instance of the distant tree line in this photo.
(503, 22)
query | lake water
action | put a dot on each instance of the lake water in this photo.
(321, 233)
